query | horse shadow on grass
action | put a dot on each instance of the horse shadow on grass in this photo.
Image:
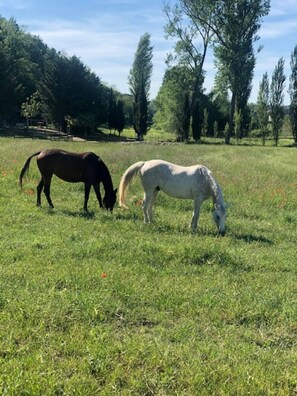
(127, 216)
(250, 238)
(74, 214)
(163, 227)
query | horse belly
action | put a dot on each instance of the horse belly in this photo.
(75, 176)
(177, 190)
(69, 168)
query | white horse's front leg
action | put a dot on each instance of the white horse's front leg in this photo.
(195, 217)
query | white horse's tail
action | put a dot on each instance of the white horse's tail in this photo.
(126, 179)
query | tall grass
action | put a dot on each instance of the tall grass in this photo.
(102, 304)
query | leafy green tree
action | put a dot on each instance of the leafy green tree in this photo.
(21, 65)
(31, 107)
(172, 102)
(233, 41)
(263, 107)
(139, 82)
(70, 89)
(189, 55)
(293, 94)
(234, 49)
(277, 99)
(10, 89)
(219, 103)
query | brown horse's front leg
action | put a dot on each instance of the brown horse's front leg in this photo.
(98, 194)
(87, 194)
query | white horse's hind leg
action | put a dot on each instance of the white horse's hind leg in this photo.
(151, 204)
(149, 199)
(195, 217)
(145, 208)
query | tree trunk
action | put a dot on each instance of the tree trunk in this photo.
(231, 119)
(196, 124)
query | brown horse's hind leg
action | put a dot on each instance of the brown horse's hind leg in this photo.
(47, 185)
(39, 191)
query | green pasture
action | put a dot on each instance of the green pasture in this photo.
(101, 304)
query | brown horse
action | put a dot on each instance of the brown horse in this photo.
(87, 168)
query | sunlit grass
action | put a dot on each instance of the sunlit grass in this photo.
(103, 304)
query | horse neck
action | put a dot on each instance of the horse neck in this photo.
(106, 178)
(216, 191)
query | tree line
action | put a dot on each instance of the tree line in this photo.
(38, 81)
(230, 28)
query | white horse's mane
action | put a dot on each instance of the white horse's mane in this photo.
(218, 196)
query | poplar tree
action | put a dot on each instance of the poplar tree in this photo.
(277, 99)
(263, 107)
(139, 82)
(293, 94)
(192, 40)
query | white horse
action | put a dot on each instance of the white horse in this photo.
(191, 182)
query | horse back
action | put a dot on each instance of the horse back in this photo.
(174, 180)
(69, 166)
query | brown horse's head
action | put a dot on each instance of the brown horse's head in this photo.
(110, 199)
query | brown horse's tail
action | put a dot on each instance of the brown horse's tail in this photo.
(26, 168)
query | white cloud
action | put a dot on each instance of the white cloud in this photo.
(281, 28)
(105, 45)
(15, 4)
(283, 7)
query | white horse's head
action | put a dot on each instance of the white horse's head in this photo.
(219, 216)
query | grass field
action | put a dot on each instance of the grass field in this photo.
(102, 304)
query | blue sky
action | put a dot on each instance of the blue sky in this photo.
(104, 34)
